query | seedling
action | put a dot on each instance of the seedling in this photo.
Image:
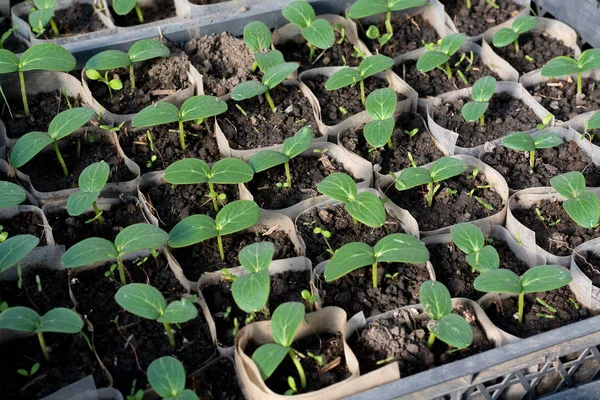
(450, 328)
(91, 182)
(317, 32)
(392, 276)
(11, 194)
(482, 92)
(559, 66)
(326, 235)
(45, 56)
(32, 371)
(257, 37)
(7, 34)
(166, 376)
(193, 171)
(381, 105)
(233, 217)
(524, 142)
(112, 84)
(64, 124)
(470, 240)
(412, 132)
(41, 15)
(435, 57)
(292, 148)
(194, 108)
(365, 207)
(145, 49)
(251, 291)
(441, 170)
(397, 247)
(581, 205)
(537, 279)
(505, 36)
(124, 7)
(57, 320)
(545, 121)
(592, 123)
(133, 238)
(350, 76)
(14, 249)
(311, 299)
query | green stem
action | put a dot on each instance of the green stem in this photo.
(138, 11)
(132, 76)
(468, 4)
(482, 120)
(448, 70)
(311, 55)
(220, 244)
(60, 158)
(532, 158)
(40, 336)
(121, 268)
(516, 42)
(213, 196)
(98, 213)
(374, 274)
(430, 340)
(170, 334)
(24, 93)
(109, 91)
(362, 91)
(579, 83)
(429, 194)
(288, 176)
(181, 135)
(54, 27)
(296, 362)
(254, 66)
(390, 144)
(270, 100)
(388, 22)
(521, 299)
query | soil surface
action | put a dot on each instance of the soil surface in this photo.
(25, 223)
(76, 19)
(503, 116)
(12, 43)
(285, 287)
(514, 165)
(336, 220)
(215, 382)
(448, 209)
(559, 239)
(588, 263)
(261, 127)
(403, 338)
(155, 11)
(481, 16)
(420, 146)
(504, 314)
(560, 97)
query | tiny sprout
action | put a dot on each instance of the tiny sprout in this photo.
(384, 361)
(548, 316)
(151, 161)
(311, 299)
(529, 58)
(451, 192)
(411, 159)
(343, 110)
(34, 369)
(544, 304)
(373, 33)
(506, 36)
(317, 32)
(483, 203)
(112, 84)
(318, 359)
(581, 205)
(545, 121)
(326, 235)
(560, 66)
(574, 303)
(111, 271)
(91, 182)
(392, 276)
(292, 384)
(38, 281)
(20, 277)
(470, 240)
(482, 92)
(412, 132)
(435, 57)
(112, 128)
(166, 376)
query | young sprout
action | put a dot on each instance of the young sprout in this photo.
(45, 56)
(537, 279)
(481, 92)
(442, 169)
(470, 240)
(311, 299)
(41, 15)
(350, 76)
(194, 108)
(292, 147)
(468, 4)
(365, 207)
(166, 376)
(7, 34)
(124, 7)
(581, 205)
(563, 65)
(450, 328)
(34, 369)
(257, 37)
(435, 58)
(61, 126)
(91, 182)
(193, 171)
(112, 84)
(133, 238)
(545, 121)
(397, 247)
(11, 194)
(592, 123)
(506, 36)
(523, 142)
(233, 217)
(14, 249)
(251, 291)
(381, 105)
(317, 32)
(145, 49)
(57, 320)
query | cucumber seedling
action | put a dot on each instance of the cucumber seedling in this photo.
(147, 302)
(470, 240)
(112, 84)
(537, 279)
(563, 65)
(41, 15)
(581, 205)
(251, 291)
(124, 7)
(16, 248)
(317, 32)
(166, 376)
(133, 238)
(91, 182)
(481, 92)
(505, 36)
(258, 39)
(193, 171)
(61, 126)
(440, 55)
(7, 34)
(381, 105)
(57, 320)
(292, 148)
(523, 142)
(11, 194)
(592, 123)
(397, 247)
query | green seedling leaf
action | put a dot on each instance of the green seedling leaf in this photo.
(446, 168)
(374, 64)
(285, 322)
(451, 43)
(300, 142)
(47, 56)
(200, 107)
(87, 252)
(191, 230)
(319, 34)
(593, 122)
(435, 299)
(147, 49)
(401, 248)
(178, 312)
(268, 357)
(342, 78)
(142, 300)
(448, 46)
(156, 114)
(91, 182)
(483, 89)
(584, 210)
(560, 66)
(486, 259)
(38, 19)
(570, 184)
(8, 62)
(188, 171)
(268, 60)
(381, 104)
(11, 194)
(519, 141)
(506, 36)
(107, 60)
(589, 60)
(524, 24)
(15, 248)
(166, 376)
(28, 146)
(453, 330)
(348, 258)
(467, 237)
(367, 208)
(69, 121)
(139, 237)
(412, 177)
(545, 277)
(237, 216)
(366, 8)
(299, 13)
(123, 7)
(248, 90)
(547, 140)
(251, 291)
(378, 133)
(257, 36)
(61, 320)
(257, 256)
(498, 281)
(20, 319)
(266, 159)
(230, 171)
(474, 110)
(275, 75)
(338, 186)
(399, 5)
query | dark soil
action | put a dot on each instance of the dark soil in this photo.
(420, 146)
(404, 339)
(155, 11)
(12, 43)
(223, 60)
(559, 239)
(560, 97)
(76, 19)
(354, 292)
(504, 314)
(336, 220)
(47, 175)
(588, 264)
(514, 165)
(306, 172)
(451, 267)
(204, 256)
(448, 209)
(409, 34)
(216, 383)
(481, 16)
(25, 223)
(503, 116)
(285, 287)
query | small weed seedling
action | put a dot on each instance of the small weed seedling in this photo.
(450, 328)
(310, 299)
(350, 76)
(441, 170)
(505, 36)
(32, 371)
(251, 291)
(257, 37)
(91, 182)
(133, 238)
(14, 249)
(470, 240)
(397, 247)
(147, 302)
(317, 32)
(581, 205)
(193, 171)
(545, 121)
(482, 92)
(364, 207)
(523, 142)
(44, 56)
(233, 217)
(124, 7)
(435, 57)
(560, 66)
(166, 376)
(64, 124)
(537, 279)
(58, 320)
(326, 235)
(112, 84)
(381, 105)
(292, 147)
(11, 194)
(41, 15)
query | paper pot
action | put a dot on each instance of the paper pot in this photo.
(587, 293)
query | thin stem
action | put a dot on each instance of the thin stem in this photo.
(430, 340)
(532, 158)
(121, 269)
(213, 196)
(468, 4)
(220, 244)
(60, 158)
(516, 42)
(109, 91)
(54, 27)
(98, 213)
(388, 22)
(482, 120)
(390, 144)
(181, 135)
(40, 336)
(448, 70)
(296, 362)
(311, 55)
(579, 83)
(132, 76)
(521, 299)
(270, 100)
(254, 66)
(429, 194)
(24, 93)
(362, 91)
(138, 11)
(288, 176)
(374, 274)
(170, 334)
